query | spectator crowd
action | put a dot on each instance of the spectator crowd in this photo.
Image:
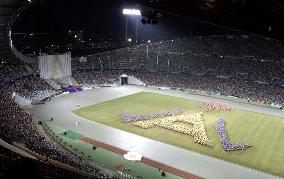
(249, 67)
(248, 57)
(14, 165)
(96, 78)
(245, 89)
(257, 92)
(18, 126)
(31, 88)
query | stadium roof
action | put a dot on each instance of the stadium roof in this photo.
(7, 9)
(263, 17)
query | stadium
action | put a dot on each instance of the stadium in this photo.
(146, 90)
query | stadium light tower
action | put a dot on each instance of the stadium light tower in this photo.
(134, 12)
(131, 12)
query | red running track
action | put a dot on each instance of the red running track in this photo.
(144, 160)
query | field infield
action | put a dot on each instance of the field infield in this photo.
(262, 131)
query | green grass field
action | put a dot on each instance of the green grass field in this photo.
(265, 133)
(102, 157)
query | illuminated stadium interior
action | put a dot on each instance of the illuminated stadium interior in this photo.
(141, 89)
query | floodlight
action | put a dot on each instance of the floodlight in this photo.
(134, 12)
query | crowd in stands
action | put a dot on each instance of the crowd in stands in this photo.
(19, 78)
(245, 89)
(257, 92)
(18, 126)
(14, 165)
(32, 88)
(94, 78)
(247, 57)
(249, 67)
(11, 71)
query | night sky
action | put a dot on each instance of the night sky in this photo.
(104, 19)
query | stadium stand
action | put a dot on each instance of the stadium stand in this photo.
(248, 57)
(14, 165)
(17, 126)
(96, 78)
(248, 67)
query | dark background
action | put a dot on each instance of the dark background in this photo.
(45, 25)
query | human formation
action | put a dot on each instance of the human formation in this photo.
(126, 117)
(212, 106)
(224, 138)
(197, 131)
